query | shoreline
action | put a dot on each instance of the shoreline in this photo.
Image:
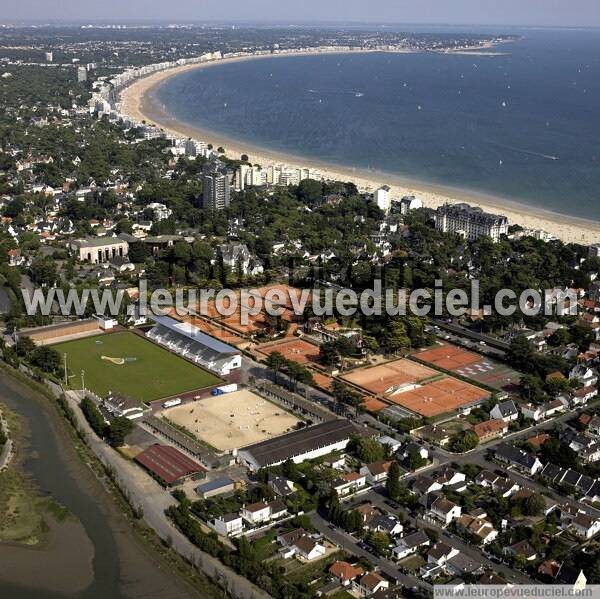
(137, 568)
(138, 102)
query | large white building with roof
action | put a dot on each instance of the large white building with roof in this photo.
(190, 342)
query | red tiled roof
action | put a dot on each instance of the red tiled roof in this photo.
(345, 571)
(489, 427)
(538, 440)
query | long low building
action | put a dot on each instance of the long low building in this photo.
(305, 444)
(62, 331)
(182, 441)
(190, 342)
(168, 465)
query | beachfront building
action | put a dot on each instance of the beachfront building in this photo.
(250, 175)
(470, 222)
(216, 184)
(281, 174)
(383, 198)
(408, 203)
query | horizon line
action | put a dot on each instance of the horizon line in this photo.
(280, 23)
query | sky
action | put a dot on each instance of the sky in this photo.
(484, 12)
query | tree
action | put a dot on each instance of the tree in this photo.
(124, 226)
(47, 359)
(415, 460)
(117, 431)
(380, 542)
(43, 271)
(138, 252)
(395, 336)
(392, 485)
(93, 416)
(532, 505)
(344, 394)
(24, 346)
(309, 191)
(366, 449)
(328, 354)
(464, 441)
(275, 362)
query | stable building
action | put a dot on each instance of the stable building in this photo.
(168, 465)
(190, 342)
(305, 444)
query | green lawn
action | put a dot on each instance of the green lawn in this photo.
(148, 373)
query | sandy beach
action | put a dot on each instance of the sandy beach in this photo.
(138, 102)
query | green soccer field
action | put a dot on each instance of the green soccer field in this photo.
(137, 367)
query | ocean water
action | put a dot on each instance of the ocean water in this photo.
(525, 126)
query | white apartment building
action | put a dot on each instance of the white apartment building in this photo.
(470, 222)
(383, 198)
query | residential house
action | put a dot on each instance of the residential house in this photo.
(584, 374)
(262, 512)
(486, 478)
(256, 513)
(412, 448)
(490, 429)
(228, 525)
(237, 256)
(461, 565)
(423, 485)
(409, 544)
(385, 523)
(367, 512)
(585, 526)
(390, 442)
(482, 529)
(376, 472)
(506, 411)
(553, 407)
(583, 395)
(532, 411)
(441, 553)
(444, 510)
(593, 425)
(505, 487)
(369, 584)
(307, 549)
(569, 575)
(282, 486)
(344, 572)
(348, 483)
(287, 539)
(538, 440)
(448, 477)
(523, 549)
(15, 258)
(519, 458)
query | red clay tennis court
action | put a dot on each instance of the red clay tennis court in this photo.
(448, 357)
(293, 349)
(379, 379)
(439, 397)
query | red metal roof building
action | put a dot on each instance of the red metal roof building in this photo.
(168, 464)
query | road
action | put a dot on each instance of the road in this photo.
(464, 332)
(146, 493)
(377, 497)
(348, 543)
